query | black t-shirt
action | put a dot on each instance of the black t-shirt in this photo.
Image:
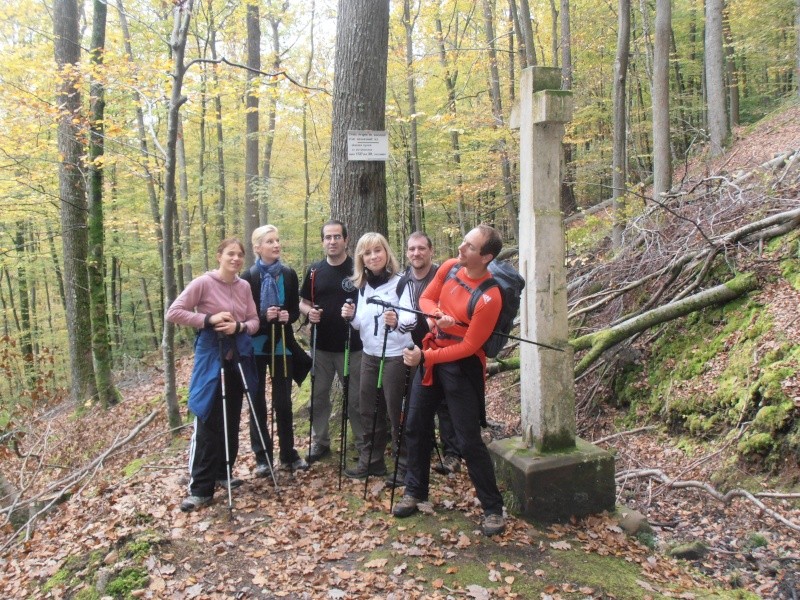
(332, 286)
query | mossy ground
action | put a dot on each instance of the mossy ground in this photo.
(78, 576)
(707, 375)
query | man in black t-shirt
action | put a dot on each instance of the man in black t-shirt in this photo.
(327, 285)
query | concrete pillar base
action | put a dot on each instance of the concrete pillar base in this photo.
(555, 486)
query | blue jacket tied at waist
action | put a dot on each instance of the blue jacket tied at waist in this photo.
(206, 371)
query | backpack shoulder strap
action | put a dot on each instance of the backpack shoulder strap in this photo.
(483, 286)
(404, 279)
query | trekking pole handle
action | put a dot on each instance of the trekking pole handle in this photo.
(349, 302)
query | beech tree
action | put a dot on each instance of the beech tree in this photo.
(251, 133)
(715, 78)
(72, 197)
(358, 188)
(182, 12)
(620, 154)
(101, 342)
(662, 157)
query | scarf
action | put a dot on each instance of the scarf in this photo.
(377, 280)
(269, 287)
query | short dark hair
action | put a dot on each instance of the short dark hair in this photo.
(492, 243)
(332, 222)
(421, 234)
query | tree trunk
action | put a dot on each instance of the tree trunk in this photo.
(251, 183)
(450, 84)
(554, 31)
(732, 75)
(521, 44)
(499, 121)
(274, 20)
(101, 339)
(662, 157)
(182, 16)
(358, 188)
(184, 228)
(221, 194)
(25, 337)
(715, 78)
(600, 341)
(619, 160)
(527, 32)
(416, 185)
(72, 195)
(569, 203)
(306, 165)
(201, 168)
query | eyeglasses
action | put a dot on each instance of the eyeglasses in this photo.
(336, 237)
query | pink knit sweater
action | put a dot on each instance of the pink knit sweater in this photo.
(209, 294)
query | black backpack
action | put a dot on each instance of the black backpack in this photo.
(511, 285)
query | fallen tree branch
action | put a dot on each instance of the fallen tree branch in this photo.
(622, 433)
(709, 489)
(54, 496)
(600, 341)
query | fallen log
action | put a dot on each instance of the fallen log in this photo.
(600, 341)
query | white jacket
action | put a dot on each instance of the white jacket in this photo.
(368, 320)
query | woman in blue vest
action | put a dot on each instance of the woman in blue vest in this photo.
(275, 291)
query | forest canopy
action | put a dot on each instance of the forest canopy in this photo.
(453, 72)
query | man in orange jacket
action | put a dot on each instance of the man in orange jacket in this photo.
(452, 369)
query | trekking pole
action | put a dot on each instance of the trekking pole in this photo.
(379, 301)
(402, 427)
(283, 343)
(250, 403)
(378, 391)
(272, 378)
(313, 378)
(221, 339)
(441, 468)
(345, 399)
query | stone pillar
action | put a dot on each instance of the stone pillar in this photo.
(548, 397)
(552, 474)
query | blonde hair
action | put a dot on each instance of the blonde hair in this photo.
(260, 233)
(368, 240)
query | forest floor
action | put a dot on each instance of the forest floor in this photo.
(121, 530)
(115, 528)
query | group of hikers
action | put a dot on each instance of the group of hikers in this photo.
(403, 343)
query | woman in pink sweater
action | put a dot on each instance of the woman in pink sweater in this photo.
(220, 306)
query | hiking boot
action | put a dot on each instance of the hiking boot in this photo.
(407, 506)
(361, 471)
(452, 463)
(317, 453)
(493, 524)
(297, 465)
(401, 479)
(262, 470)
(235, 483)
(194, 502)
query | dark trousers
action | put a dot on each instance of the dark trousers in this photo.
(447, 433)
(281, 404)
(457, 384)
(207, 457)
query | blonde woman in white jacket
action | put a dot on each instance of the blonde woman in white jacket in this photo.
(384, 333)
